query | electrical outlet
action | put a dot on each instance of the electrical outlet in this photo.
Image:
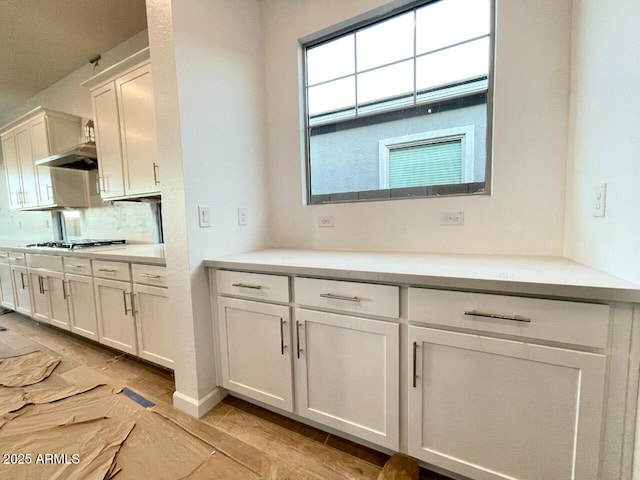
(452, 219)
(326, 221)
(242, 216)
(204, 216)
(599, 200)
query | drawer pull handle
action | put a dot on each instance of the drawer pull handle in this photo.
(244, 285)
(73, 266)
(65, 294)
(340, 297)
(149, 275)
(124, 300)
(282, 322)
(108, 270)
(298, 325)
(22, 280)
(415, 347)
(513, 318)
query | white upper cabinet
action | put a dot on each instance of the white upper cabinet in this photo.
(124, 113)
(32, 137)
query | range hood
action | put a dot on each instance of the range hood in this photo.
(80, 157)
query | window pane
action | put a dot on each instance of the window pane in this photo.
(336, 95)
(385, 42)
(467, 61)
(385, 82)
(429, 164)
(330, 60)
(449, 22)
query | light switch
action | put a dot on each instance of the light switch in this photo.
(599, 200)
(204, 216)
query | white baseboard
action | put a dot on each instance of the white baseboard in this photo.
(198, 407)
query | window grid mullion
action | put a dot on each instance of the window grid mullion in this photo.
(355, 70)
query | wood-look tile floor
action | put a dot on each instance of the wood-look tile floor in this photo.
(303, 451)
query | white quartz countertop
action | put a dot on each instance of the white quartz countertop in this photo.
(526, 275)
(143, 253)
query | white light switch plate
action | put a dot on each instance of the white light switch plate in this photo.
(599, 200)
(204, 216)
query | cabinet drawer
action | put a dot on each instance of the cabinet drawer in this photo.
(253, 285)
(4, 256)
(365, 298)
(80, 266)
(17, 258)
(149, 274)
(112, 270)
(48, 262)
(553, 320)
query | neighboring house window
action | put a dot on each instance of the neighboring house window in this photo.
(440, 157)
(398, 106)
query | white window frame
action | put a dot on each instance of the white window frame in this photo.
(464, 133)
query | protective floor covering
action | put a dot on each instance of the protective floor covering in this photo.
(26, 369)
(93, 431)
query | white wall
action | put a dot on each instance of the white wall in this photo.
(524, 214)
(206, 57)
(605, 122)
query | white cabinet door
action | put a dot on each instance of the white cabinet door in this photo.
(493, 409)
(6, 287)
(116, 324)
(28, 195)
(12, 170)
(255, 344)
(107, 123)
(138, 131)
(153, 323)
(40, 144)
(39, 296)
(58, 307)
(22, 290)
(82, 307)
(347, 374)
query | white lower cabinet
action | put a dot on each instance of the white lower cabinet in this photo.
(49, 297)
(255, 342)
(116, 323)
(347, 374)
(6, 284)
(22, 290)
(493, 409)
(153, 324)
(82, 307)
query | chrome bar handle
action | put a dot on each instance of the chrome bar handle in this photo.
(244, 285)
(282, 322)
(40, 286)
(108, 270)
(149, 275)
(65, 295)
(133, 303)
(156, 171)
(70, 265)
(124, 299)
(298, 325)
(513, 318)
(415, 348)
(22, 280)
(44, 279)
(340, 297)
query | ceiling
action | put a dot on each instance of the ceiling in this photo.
(42, 41)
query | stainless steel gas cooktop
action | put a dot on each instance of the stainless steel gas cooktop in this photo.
(76, 244)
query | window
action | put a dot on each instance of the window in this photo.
(398, 106)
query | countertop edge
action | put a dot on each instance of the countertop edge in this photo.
(513, 287)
